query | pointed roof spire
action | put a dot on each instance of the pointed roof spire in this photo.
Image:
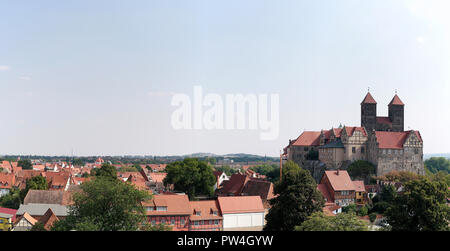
(369, 99)
(396, 101)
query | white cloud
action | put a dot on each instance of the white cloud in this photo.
(4, 68)
(25, 78)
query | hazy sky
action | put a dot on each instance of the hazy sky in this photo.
(97, 76)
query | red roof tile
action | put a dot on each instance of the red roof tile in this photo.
(308, 138)
(396, 101)
(369, 99)
(240, 204)
(340, 180)
(359, 186)
(393, 140)
(326, 194)
(206, 209)
(176, 204)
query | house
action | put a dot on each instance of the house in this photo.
(330, 208)
(24, 222)
(339, 186)
(7, 181)
(261, 188)
(169, 209)
(360, 192)
(205, 216)
(37, 211)
(59, 197)
(220, 177)
(48, 219)
(7, 218)
(234, 186)
(242, 213)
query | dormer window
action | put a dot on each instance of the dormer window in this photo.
(161, 208)
(150, 208)
(214, 213)
(198, 213)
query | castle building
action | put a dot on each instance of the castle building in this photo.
(379, 140)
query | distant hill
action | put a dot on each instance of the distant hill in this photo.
(429, 155)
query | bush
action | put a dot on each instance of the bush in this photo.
(372, 217)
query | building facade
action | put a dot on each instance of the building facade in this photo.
(379, 140)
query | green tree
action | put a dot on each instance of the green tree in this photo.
(106, 170)
(363, 211)
(227, 169)
(105, 204)
(78, 162)
(25, 164)
(35, 183)
(361, 169)
(436, 164)
(341, 222)
(191, 176)
(11, 200)
(372, 217)
(422, 207)
(350, 208)
(297, 198)
(38, 226)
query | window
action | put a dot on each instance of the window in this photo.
(163, 221)
(353, 149)
(196, 223)
(210, 222)
(149, 208)
(153, 222)
(216, 222)
(198, 213)
(172, 222)
(161, 208)
(215, 212)
(362, 149)
(182, 222)
(203, 222)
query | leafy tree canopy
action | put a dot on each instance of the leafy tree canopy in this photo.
(361, 169)
(35, 183)
(341, 222)
(106, 170)
(191, 176)
(297, 199)
(422, 207)
(25, 164)
(436, 164)
(105, 204)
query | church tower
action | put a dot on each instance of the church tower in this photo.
(369, 113)
(397, 114)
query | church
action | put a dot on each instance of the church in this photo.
(379, 140)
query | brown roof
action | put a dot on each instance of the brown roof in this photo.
(396, 101)
(368, 99)
(384, 120)
(48, 197)
(234, 185)
(28, 217)
(261, 188)
(48, 219)
(176, 204)
(206, 209)
(340, 180)
(308, 138)
(326, 194)
(240, 204)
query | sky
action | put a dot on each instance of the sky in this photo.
(97, 77)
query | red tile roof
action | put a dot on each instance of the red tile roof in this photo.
(5, 210)
(352, 129)
(240, 204)
(308, 138)
(368, 99)
(340, 180)
(359, 186)
(396, 101)
(48, 219)
(7, 180)
(384, 120)
(325, 193)
(393, 140)
(176, 204)
(235, 184)
(157, 177)
(206, 209)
